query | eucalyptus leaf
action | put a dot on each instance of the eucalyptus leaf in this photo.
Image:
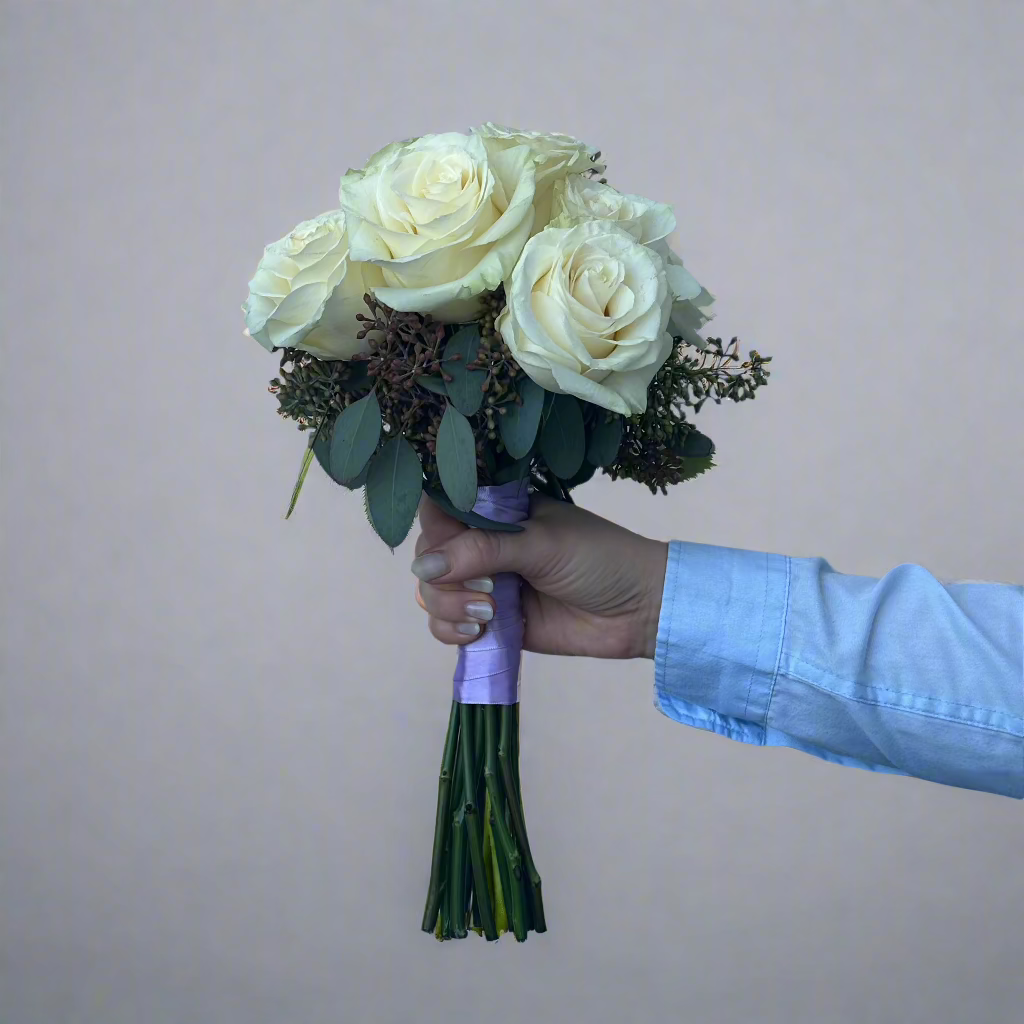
(697, 446)
(563, 440)
(322, 451)
(465, 388)
(520, 422)
(456, 459)
(435, 384)
(585, 473)
(470, 518)
(695, 467)
(394, 483)
(604, 442)
(514, 471)
(356, 433)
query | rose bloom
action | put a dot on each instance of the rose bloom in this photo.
(578, 198)
(305, 293)
(443, 219)
(587, 314)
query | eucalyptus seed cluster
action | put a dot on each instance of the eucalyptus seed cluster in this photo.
(717, 373)
(652, 443)
(309, 389)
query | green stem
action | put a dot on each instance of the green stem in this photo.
(506, 844)
(472, 817)
(442, 822)
(507, 745)
(457, 872)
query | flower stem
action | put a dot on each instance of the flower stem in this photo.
(507, 746)
(507, 852)
(472, 819)
(442, 823)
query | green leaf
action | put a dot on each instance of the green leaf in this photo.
(470, 518)
(356, 433)
(563, 441)
(322, 451)
(456, 459)
(697, 446)
(394, 483)
(604, 442)
(307, 461)
(586, 472)
(695, 467)
(520, 422)
(465, 389)
(513, 471)
(435, 384)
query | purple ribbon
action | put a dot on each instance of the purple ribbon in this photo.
(487, 671)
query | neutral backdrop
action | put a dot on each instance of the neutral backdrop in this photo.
(220, 731)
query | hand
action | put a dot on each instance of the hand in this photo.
(590, 588)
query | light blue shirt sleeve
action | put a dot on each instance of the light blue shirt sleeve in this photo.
(902, 674)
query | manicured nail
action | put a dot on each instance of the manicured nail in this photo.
(484, 586)
(429, 567)
(468, 628)
(480, 610)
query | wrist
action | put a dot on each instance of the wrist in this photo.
(649, 612)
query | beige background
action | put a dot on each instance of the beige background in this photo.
(220, 732)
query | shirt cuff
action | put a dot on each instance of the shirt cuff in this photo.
(719, 637)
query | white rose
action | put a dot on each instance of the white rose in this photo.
(578, 198)
(306, 293)
(587, 313)
(555, 156)
(443, 218)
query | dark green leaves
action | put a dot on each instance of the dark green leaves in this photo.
(394, 483)
(520, 422)
(695, 467)
(356, 433)
(604, 442)
(456, 459)
(697, 446)
(562, 438)
(465, 389)
(435, 384)
(470, 518)
(322, 451)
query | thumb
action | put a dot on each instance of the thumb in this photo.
(475, 554)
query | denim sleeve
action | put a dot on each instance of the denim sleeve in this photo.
(902, 674)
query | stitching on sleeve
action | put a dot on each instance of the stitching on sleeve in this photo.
(760, 637)
(782, 638)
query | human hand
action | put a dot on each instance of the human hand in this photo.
(591, 588)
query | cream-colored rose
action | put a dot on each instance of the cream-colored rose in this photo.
(443, 218)
(587, 313)
(555, 156)
(578, 198)
(306, 292)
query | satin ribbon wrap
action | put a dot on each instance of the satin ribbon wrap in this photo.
(487, 671)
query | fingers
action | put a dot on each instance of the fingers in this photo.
(436, 526)
(457, 614)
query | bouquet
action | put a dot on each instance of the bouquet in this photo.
(484, 316)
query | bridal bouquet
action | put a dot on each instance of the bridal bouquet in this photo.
(482, 316)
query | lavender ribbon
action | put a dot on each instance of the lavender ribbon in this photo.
(487, 671)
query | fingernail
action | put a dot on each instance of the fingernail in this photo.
(429, 567)
(480, 610)
(484, 586)
(468, 628)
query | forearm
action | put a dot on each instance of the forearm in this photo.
(900, 674)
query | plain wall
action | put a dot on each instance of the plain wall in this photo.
(220, 732)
